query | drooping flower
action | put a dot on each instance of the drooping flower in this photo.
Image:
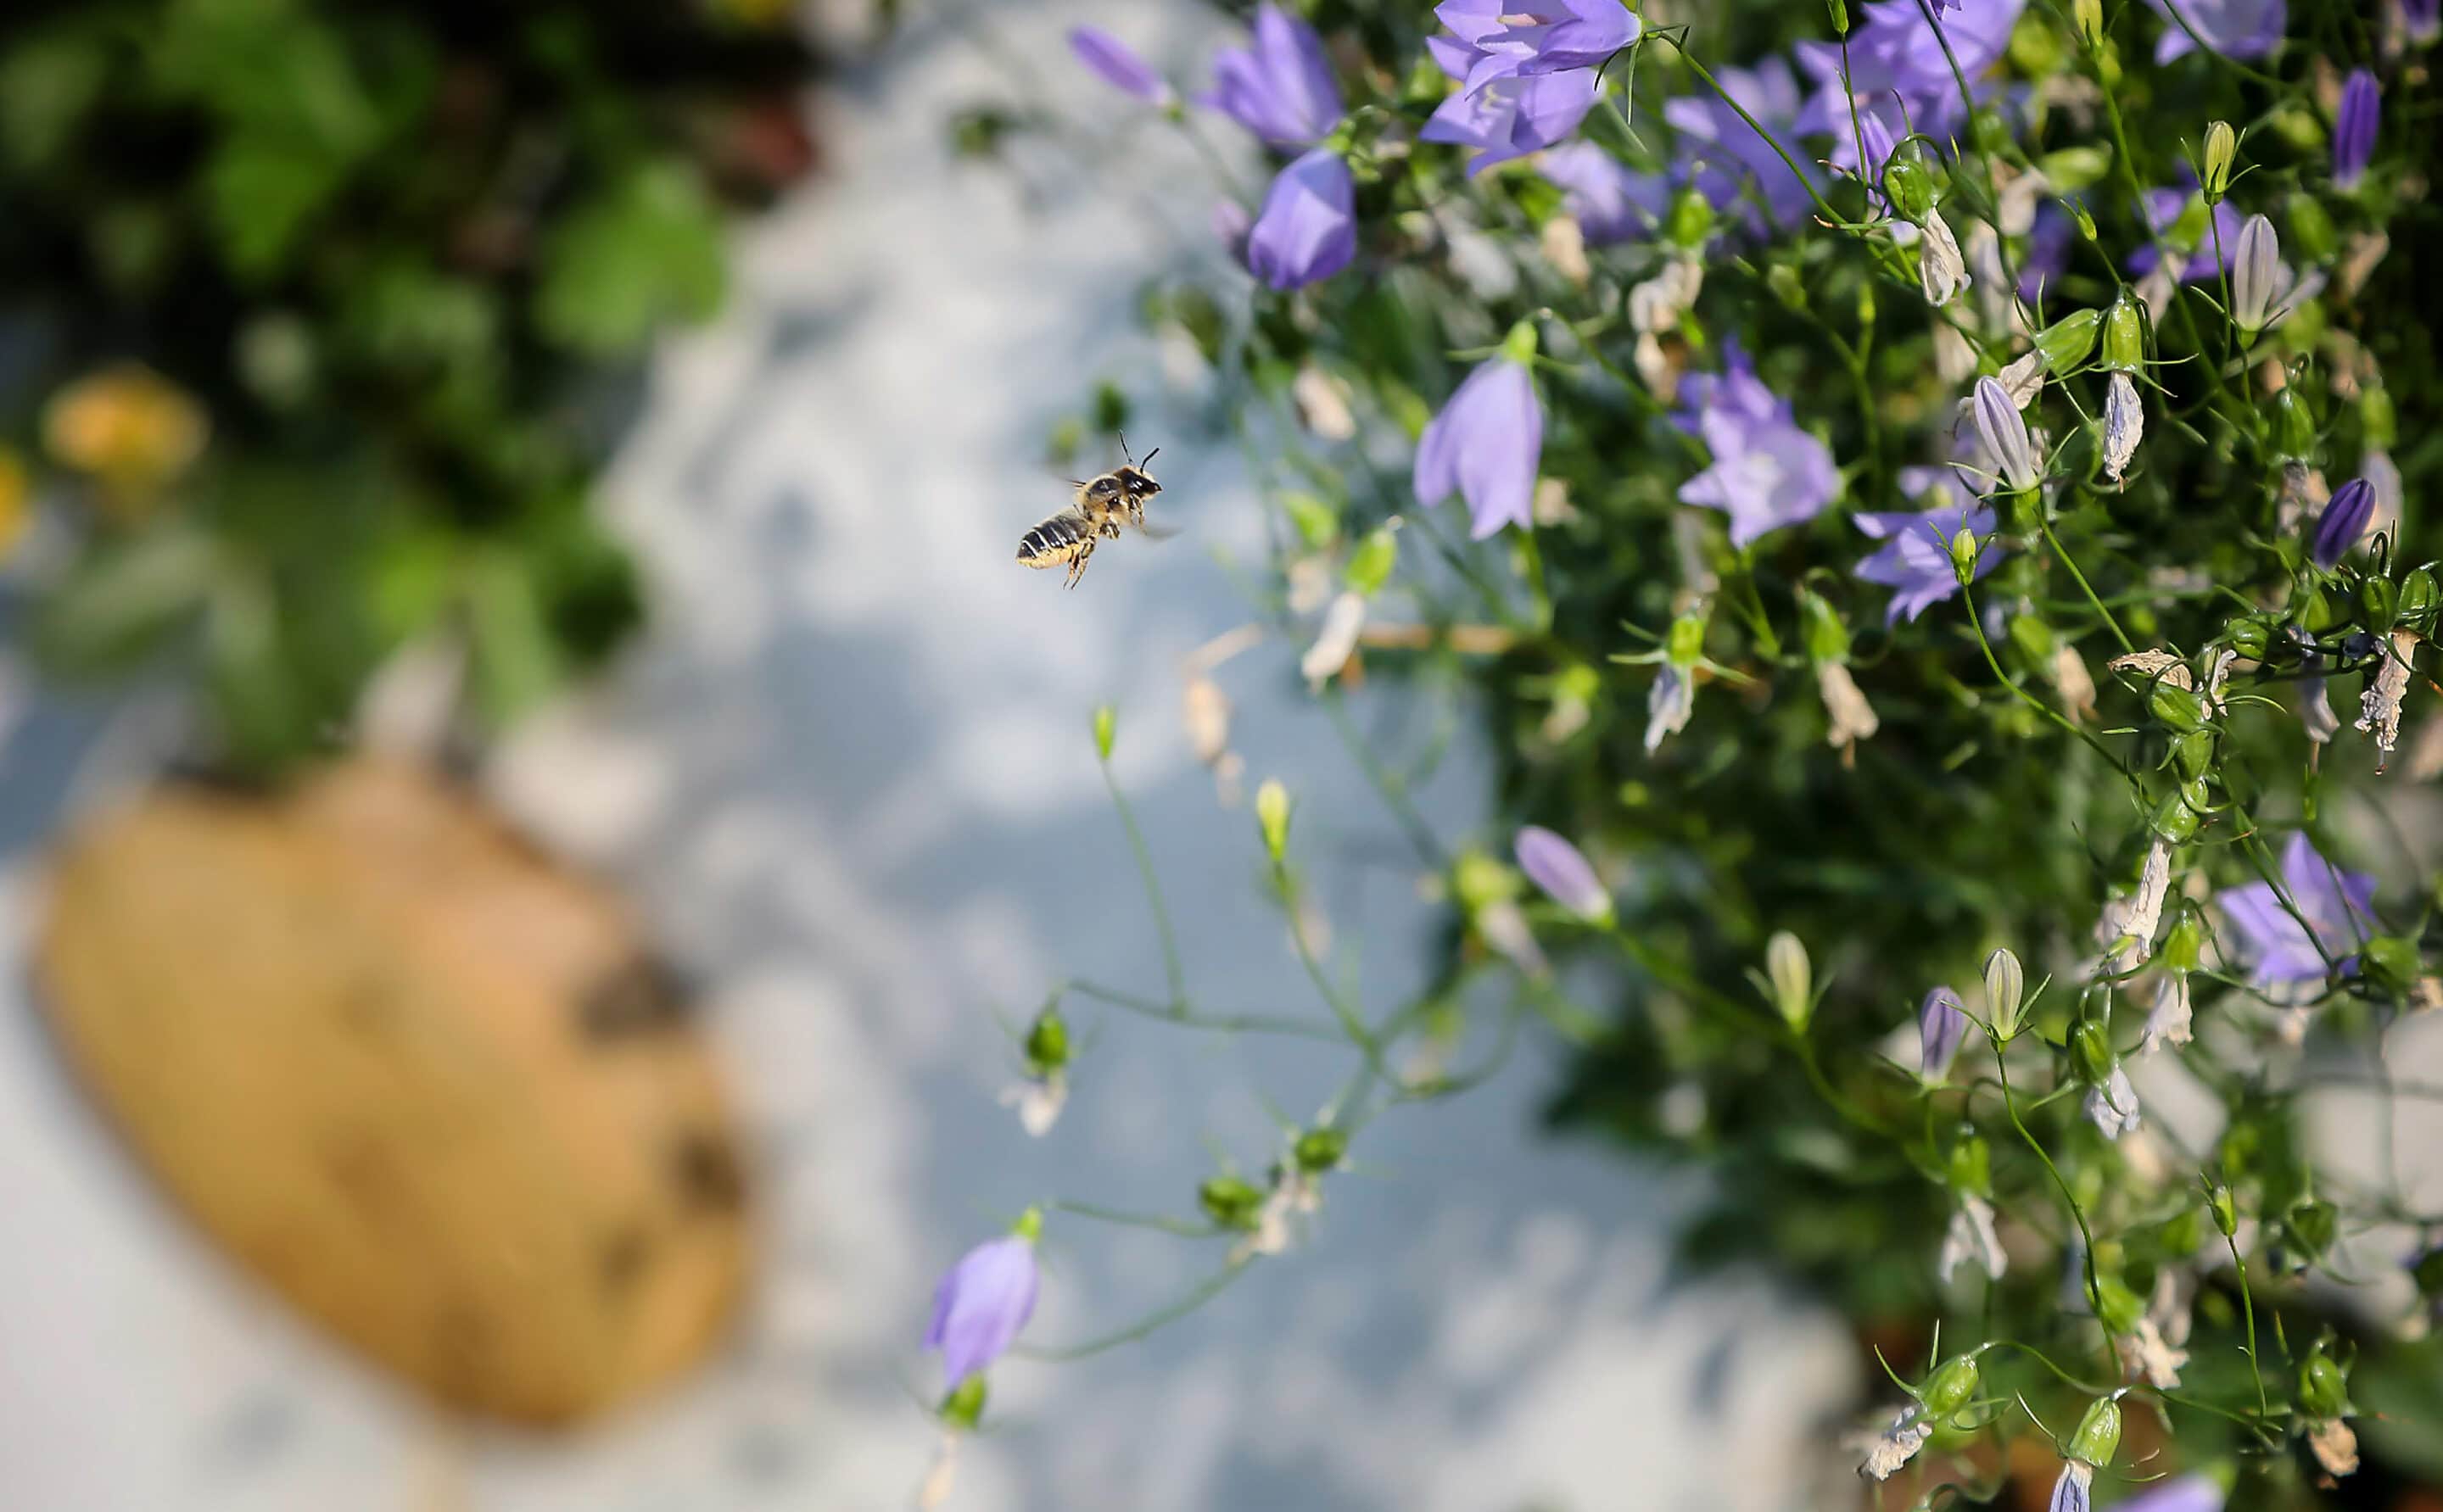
(1669, 705)
(2112, 1104)
(1609, 202)
(2004, 435)
(984, 1301)
(2255, 275)
(1848, 717)
(1941, 1023)
(1511, 115)
(1562, 871)
(1971, 1236)
(1280, 88)
(1119, 66)
(1767, 472)
(1895, 1446)
(2125, 425)
(2342, 522)
(1485, 446)
(1723, 156)
(1916, 556)
(1037, 1100)
(2338, 908)
(2380, 705)
(2236, 29)
(2127, 925)
(2167, 1022)
(1942, 272)
(2354, 128)
(1308, 231)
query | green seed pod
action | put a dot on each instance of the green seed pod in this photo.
(1971, 1165)
(1949, 1389)
(2390, 962)
(2125, 335)
(2418, 597)
(2250, 638)
(1320, 1149)
(2194, 754)
(2294, 426)
(2080, 215)
(2065, 342)
(1106, 725)
(1687, 640)
(1369, 565)
(2185, 944)
(1909, 186)
(2176, 706)
(2099, 1434)
(2090, 1051)
(1788, 285)
(1047, 1042)
(2323, 1386)
(2178, 816)
(2379, 597)
(2226, 1212)
(1689, 221)
(1230, 1202)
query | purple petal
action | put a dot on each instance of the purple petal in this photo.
(2354, 128)
(2236, 29)
(1557, 867)
(2186, 1493)
(1610, 203)
(1307, 229)
(1941, 1023)
(1119, 67)
(1282, 88)
(1485, 445)
(981, 1304)
(2342, 522)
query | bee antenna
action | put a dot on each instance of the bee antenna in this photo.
(1150, 457)
(1124, 447)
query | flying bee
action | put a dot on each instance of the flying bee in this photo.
(1103, 506)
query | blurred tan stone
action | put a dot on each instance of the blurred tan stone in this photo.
(423, 1082)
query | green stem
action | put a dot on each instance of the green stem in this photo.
(1171, 970)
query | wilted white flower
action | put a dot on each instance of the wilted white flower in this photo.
(2113, 1106)
(2380, 705)
(1895, 1446)
(1852, 717)
(2167, 1022)
(2125, 425)
(2335, 1446)
(2128, 924)
(1656, 304)
(1293, 1194)
(2143, 1351)
(1942, 272)
(2076, 684)
(2384, 482)
(1336, 640)
(1039, 1101)
(1322, 403)
(1667, 707)
(2023, 378)
(1971, 1236)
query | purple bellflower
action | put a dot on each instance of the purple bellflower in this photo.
(1525, 38)
(1120, 67)
(1563, 873)
(1899, 73)
(2354, 128)
(1724, 155)
(983, 1303)
(1280, 88)
(1307, 229)
(2236, 29)
(1941, 1023)
(1609, 202)
(1485, 446)
(2337, 904)
(1767, 472)
(2185, 1493)
(2424, 20)
(1916, 556)
(1508, 114)
(2342, 522)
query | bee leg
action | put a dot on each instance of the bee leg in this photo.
(1077, 563)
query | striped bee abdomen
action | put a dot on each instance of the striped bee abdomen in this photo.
(1056, 540)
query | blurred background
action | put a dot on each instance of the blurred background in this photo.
(530, 788)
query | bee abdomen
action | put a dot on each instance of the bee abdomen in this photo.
(1053, 541)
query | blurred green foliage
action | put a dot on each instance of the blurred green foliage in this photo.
(392, 260)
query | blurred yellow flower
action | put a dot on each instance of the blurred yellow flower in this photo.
(16, 499)
(128, 427)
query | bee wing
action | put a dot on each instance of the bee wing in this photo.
(1156, 532)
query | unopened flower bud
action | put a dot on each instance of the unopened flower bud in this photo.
(1949, 1389)
(2323, 1386)
(2226, 1211)
(2294, 426)
(1272, 818)
(2065, 342)
(2099, 1434)
(2005, 984)
(1230, 1202)
(1686, 643)
(1689, 221)
(2090, 1051)
(1792, 976)
(2222, 145)
(1839, 11)
(2255, 269)
(1788, 285)
(2088, 16)
(1369, 565)
(1909, 186)
(2083, 218)
(1107, 721)
(2184, 945)
(1964, 552)
(2313, 1223)
(1827, 638)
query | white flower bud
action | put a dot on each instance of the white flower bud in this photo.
(1942, 271)
(2255, 275)
(2125, 425)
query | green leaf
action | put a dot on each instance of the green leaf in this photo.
(645, 251)
(517, 665)
(262, 191)
(122, 601)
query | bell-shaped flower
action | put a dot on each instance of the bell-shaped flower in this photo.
(2236, 29)
(2112, 1103)
(2255, 275)
(1308, 231)
(2125, 425)
(1511, 116)
(984, 1301)
(2342, 522)
(1120, 67)
(1485, 446)
(1563, 873)
(1916, 556)
(1509, 38)
(1281, 87)
(1941, 1023)
(1728, 161)
(1971, 1236)
(2004, 435)
(2338, 908)
(1609, 202)
(2354, 128)
(1767, 472)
